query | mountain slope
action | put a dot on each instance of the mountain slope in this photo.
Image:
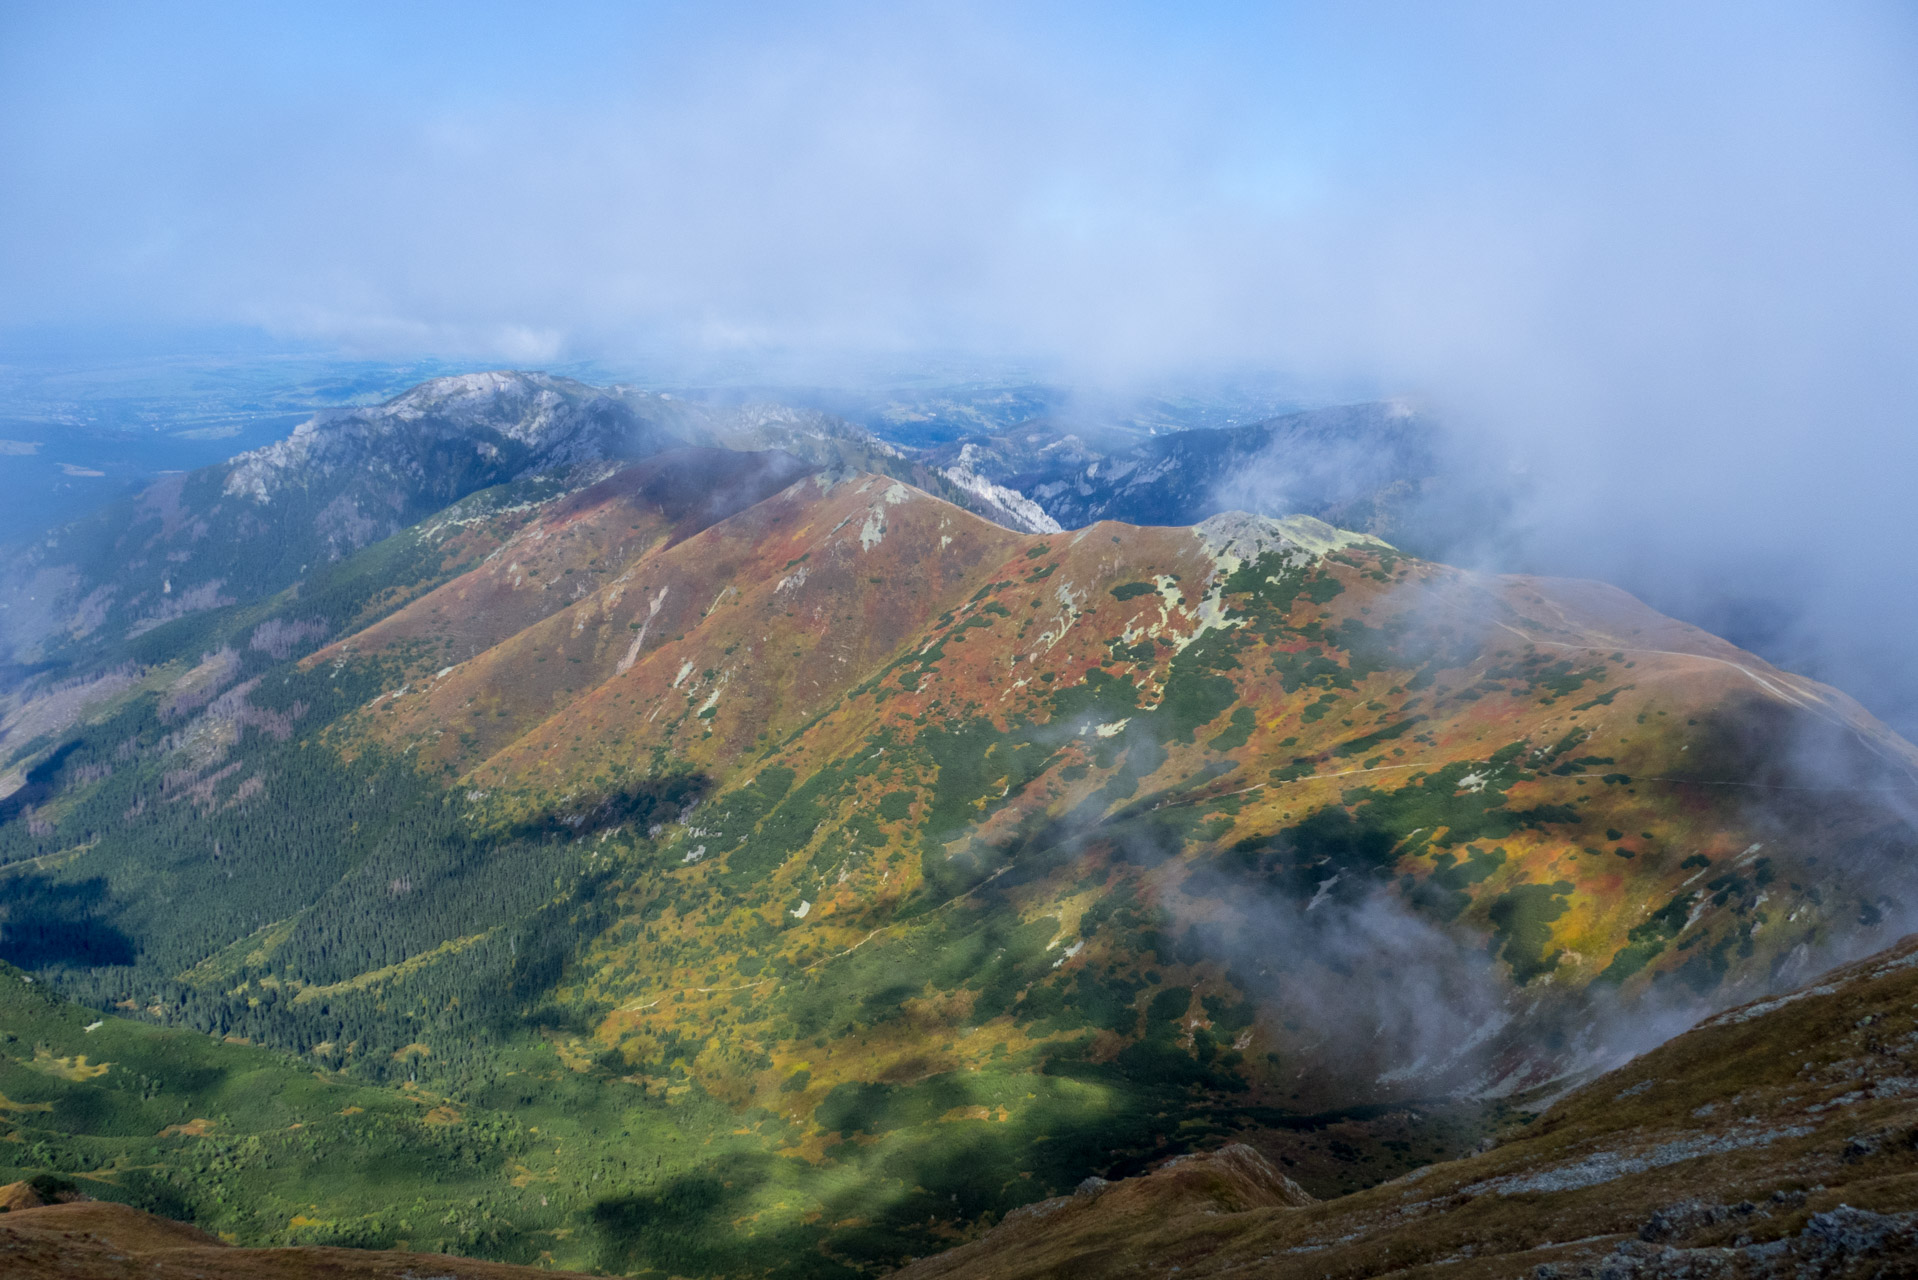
(345, 479)
(342, 481)
(922, 868)
(1773, 1140)
(864, 868)
(269, 1152)
(578, 543)
(713, 683)
(716, 602)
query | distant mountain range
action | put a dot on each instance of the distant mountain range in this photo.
(675, 840)
(347, 478)
(1363, 467)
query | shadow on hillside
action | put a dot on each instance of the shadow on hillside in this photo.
(1799, 778)
(636, 805)
(684, 1225)
(904, 1189)
(1767, 746)
(48, 922)
(38, 785)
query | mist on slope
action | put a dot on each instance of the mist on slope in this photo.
(1367, 995)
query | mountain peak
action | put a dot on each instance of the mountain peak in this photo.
(556, 421)
(1244, 536)
(513, 396)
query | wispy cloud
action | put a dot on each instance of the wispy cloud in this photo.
(1659, 257)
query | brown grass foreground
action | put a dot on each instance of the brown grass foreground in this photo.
(96, 1240)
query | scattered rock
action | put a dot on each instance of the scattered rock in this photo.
(1844, 1242)
(1688, 1217)
(1846, 1231)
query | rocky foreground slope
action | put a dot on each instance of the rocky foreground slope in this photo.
(1778, 1139)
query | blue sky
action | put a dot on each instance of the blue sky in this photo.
(1114, 187)
(1661, 256)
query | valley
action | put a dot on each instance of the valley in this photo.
(1646, 1171)
(702, 852)
(1649, 1171)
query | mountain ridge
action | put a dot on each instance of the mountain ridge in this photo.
(1371, 467)
(343, 480)
(346, 478)
(880, 869)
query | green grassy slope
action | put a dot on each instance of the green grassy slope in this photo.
(264, 1150)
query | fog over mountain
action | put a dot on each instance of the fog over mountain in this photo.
(1657, 262)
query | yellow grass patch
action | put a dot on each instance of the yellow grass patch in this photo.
(75, 1068)
(198, 1127)
(373, 978)
(525, 1177)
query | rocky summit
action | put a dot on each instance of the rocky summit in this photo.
(680, 859)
